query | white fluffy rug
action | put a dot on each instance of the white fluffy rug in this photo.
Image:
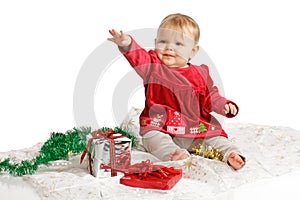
(270, 151)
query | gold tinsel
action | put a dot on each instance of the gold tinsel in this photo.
(208, 152)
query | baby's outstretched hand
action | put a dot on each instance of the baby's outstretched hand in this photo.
(230, 109)
(120, 39)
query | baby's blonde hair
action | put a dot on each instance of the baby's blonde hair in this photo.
(182, 22)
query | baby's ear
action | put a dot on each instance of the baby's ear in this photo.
(195, 50)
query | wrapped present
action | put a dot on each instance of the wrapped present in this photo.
(147, 175)
(107, 151)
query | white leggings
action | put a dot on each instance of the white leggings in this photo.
(161, 145)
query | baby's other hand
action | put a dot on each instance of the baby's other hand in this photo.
(120, 39)
(230, 109)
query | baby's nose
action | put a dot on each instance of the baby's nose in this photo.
(170, 47)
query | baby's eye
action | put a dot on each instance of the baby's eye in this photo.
(179, 44)
(162, 41)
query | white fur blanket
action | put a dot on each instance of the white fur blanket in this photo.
(270, 151)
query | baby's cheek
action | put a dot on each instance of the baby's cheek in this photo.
(184, 53)
(160, 46)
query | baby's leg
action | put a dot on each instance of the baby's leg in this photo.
(231, 153)
(162, 146)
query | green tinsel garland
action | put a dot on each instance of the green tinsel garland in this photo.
(57, 147)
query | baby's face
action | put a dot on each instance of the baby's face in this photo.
(174, 47)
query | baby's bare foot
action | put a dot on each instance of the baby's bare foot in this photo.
(235, 161)
(178, 155)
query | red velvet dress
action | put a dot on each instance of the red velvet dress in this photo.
(177, 100)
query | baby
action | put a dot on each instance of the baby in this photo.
(179, 96)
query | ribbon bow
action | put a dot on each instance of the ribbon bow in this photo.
(107, 135)
(146, 168)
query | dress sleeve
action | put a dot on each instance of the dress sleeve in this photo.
(214, 101)
(140, 59)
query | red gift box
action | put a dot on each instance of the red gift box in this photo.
(147, 175)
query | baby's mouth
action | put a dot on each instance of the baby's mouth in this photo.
(168, 55)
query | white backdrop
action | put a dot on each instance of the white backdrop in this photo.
(43, 45)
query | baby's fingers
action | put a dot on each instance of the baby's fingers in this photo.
(111, 39)
(233, 109)
(226, 109)
(230, 109)
(113, 32)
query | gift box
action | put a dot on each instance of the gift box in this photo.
(107, 151)
(147, 175)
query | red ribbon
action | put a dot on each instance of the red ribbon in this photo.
(122, 162)
(107, 135)
(146, 168)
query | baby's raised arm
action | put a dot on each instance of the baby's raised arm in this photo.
(138, 57)
(120, 39)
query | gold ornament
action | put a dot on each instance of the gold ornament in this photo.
(208, 152)
(188, 164)
(70, 154)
